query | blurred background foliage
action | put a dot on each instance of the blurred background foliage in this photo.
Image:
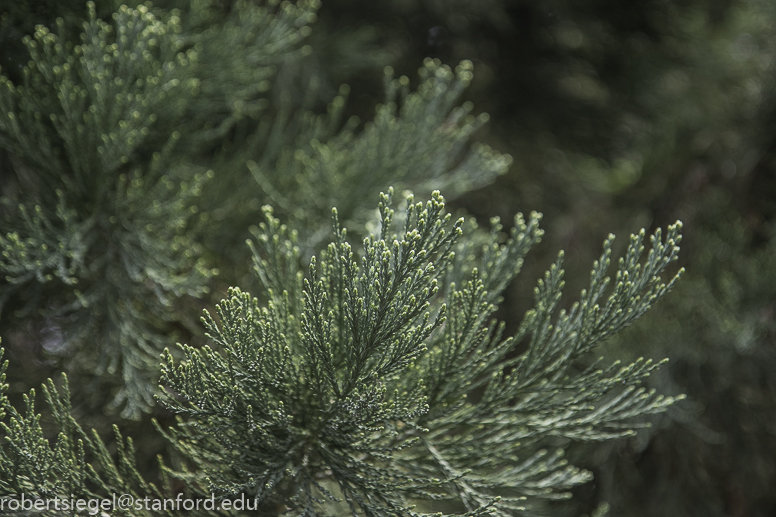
(622, 115)
(617, 116)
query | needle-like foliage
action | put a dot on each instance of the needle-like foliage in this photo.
(381, 380)
(102, 237)
(75, 465)
(110, 210)
(370, 380)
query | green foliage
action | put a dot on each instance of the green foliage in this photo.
(626, 116)
(380, 383)
(305, 163)
(326, 164)
(724, 304)
(115, 220)
(74, 465)
(383, 380)
(103, 237)
(239, 54)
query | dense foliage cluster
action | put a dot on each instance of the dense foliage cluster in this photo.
(139, 146)
(106, 222)
(380, 379)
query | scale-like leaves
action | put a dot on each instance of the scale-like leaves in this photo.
(381, 378)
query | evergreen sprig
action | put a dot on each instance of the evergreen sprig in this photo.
(324, 164)
(74, 465)
(489, 411)
(239, 57)
(104, 235)
(382, 380)
(101, 220)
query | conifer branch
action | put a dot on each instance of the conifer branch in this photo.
(395, 391)
(106, 237)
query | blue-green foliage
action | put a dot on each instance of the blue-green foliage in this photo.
(382, 380)
(419, 140)
(104, 224)
(103, 235)
(75, 465)
(238, 58)
(379, 382)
